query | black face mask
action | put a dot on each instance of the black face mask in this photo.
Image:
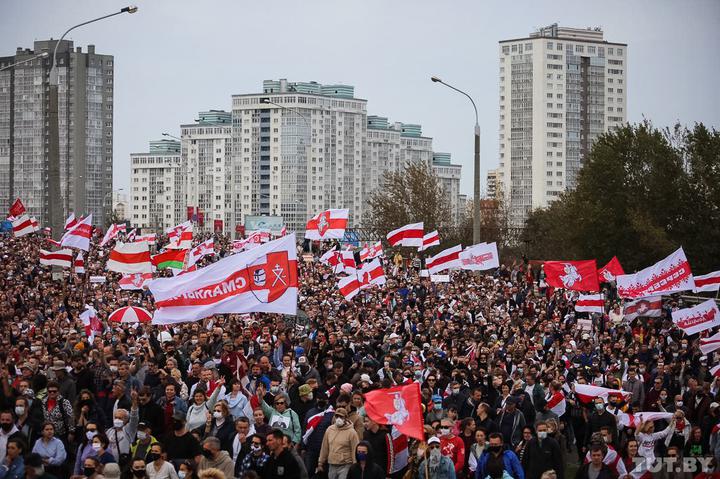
(178, 425)
(495, 449)
(207, 453)
(6, 426)
(139, 472)
(152, 456)
(88, 471)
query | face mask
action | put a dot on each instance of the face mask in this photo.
(437, 406)
(387, 364)
(679, 404)
(88, 471)
(97, 446)
(495, 449)
(607, 440)
(193, 341)
(599, 406)
(113, 369)
(90, 435)
(444, 431)
(141, 473)
(207, 453)
(456, 391)
(663, 397)
(19, 410)
(118, 423)
(182, 474)
(435, 456)
(274, 389)
(152, 456)
(361, 456)
(218, 415)
(178, 425)
(256, 448)
(339, 422)
(310, 397)
(141, 435)
(542, 434)
(6, 426)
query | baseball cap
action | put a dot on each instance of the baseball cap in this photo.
(433, 440)
(304, 390)
(365, 378)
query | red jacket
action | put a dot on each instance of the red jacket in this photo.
(454, 448)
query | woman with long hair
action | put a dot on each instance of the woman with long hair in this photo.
(51, 449)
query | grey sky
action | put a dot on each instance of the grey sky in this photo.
(175, 58)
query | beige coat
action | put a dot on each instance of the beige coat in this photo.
(338, 446)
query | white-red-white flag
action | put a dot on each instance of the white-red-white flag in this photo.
(446, 259)
(587, 392)
(22, 226)
(70, 222)
(151, 238)
(590, 303)
(430, 239)
(130, 258)
(79, 235)
(707, 282)
(132, 234)
(283, 231)
(349, 286)
(371, 251)
(715, 371)
(670, 275)
(110, 234)
(91, 322)
(206, 248)
(633, 420)
(263, 279)
(62, 258)
(371, 273)
(408, 235)
(698, 318)
(180, 236)
(135, 281)
(480, 257)
(556, 402)
(35, 225)
(329, 224)
(708, 345)
(646, 307)
(79, 263)
(347, 259)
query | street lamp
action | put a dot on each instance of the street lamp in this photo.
(171, 136)
(55, 208)
(476, 173)
(28, 60)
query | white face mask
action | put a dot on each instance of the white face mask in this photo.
(113, 369)
(310, 396)
(444, 431)
(141, 435)
(218, 415)
(542, 434)
(339, 422)
(19, 410)
(181, 474)
(118, 423)
(256, 448)
(90, 435)
(97, 446)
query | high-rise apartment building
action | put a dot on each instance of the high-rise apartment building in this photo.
(492, 183)
(449, 176)
(85, 112)
(157, 187)
(206, 152)
(559, 89)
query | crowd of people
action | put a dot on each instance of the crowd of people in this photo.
(272, 396)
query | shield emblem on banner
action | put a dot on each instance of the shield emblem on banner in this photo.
(323, 223)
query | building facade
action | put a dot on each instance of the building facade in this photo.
(85, 113)
(560, 88)
(157, 184)
(492, 183)
(120, 205)
(449, 176)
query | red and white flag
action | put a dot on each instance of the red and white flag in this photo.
(53, 242)
(79, 236)
(633, 420)
(91, 322)
(572, 275)
(715, 371)
(330, 257)
(263, 279)
(647, 307)
(480, 257)
(151, 238)
(610, 271)
(17, 208)
(698, 318)
(371, 273)
(670, 275)
(708, 345)
(430, 239)
(329, 224)
(590, 303)
(400, 406)
(707, 282)
(22, 226)
(371, 252)
(110, 234)
(408, 235)
(132, 235)
(129, 258)
(35, 225)
(446, 259)
(206, 248)
(135, 281)
(180, 236)
(283, 231)
(556, 402)
(347, 259)
(62, 258)
(349, 286)
(70, 222)
(79, 263)
(314, 421)
(586, 393)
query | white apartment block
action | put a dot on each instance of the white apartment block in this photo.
(449, 176)
(492, 183)
(157, 187)
(206, 154)
(559, 89)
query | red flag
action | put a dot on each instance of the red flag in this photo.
(400, 406)
(574, 275)
(610, 271)
(17, 208)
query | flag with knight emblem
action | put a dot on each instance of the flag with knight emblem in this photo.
(610, 271)
(329, 224)
(572, 275)
(400, 406)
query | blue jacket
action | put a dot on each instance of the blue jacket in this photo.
(510, 461)
(15, 471)
(446, 469)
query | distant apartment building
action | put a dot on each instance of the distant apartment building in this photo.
(492, 183)
(449, 176)
(560, 88)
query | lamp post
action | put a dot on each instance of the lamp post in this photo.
(476, 173)
(171, 136)
(55, 204)
(27, 60)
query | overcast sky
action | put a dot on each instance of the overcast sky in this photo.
(177, 57)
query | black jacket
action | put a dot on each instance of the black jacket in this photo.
(596, 421)
(372, 469)
(541, 456)
(605, 472)
(282, 467)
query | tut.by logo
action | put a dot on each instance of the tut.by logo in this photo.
(675, 464)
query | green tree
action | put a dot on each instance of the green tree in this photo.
(641, 193)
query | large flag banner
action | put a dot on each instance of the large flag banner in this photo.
(135, 281)
(170, 258)
(263, 279)
(698, 318)
(400, 406)
(573, 275)
(371, 273)
(633, 420)
(79, 236)
(349, 286)
(669, 275)
(130, 258)
(647, 307)
(111, 233)
(610, 271)
(556, 402)
(62, 258)
(590, 303)
(708, 345)
(206, 248)
(371, 251)
(329, 224)
(480, 257)
(446, 259)
(180, 236)
(151, 238)
(586, 393)
(22, 226)
(430, 239)
(408, 235)
(707, 282)
(70, 222)
(17, 208)
(347, 259)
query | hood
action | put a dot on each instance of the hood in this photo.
(371, 453)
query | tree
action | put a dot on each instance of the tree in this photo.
(411, 195)
(641, 194)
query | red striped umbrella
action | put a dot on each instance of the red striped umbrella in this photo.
(130, 314)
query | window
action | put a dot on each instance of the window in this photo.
(611, 51)
(549, 45)
(514, 48)
(591, 49)
(619, 51)
(579, 48)
(528, 47)
(506, 49)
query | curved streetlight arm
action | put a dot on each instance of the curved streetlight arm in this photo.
(294, 110)
(53, 70)
(7, 67)
(477, 122)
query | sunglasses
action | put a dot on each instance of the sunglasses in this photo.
(434, 446)
(280, 403)
(51, 391)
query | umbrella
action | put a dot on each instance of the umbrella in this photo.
(130, 314)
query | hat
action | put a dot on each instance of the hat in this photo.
(586, 336)
(111, 470)
(304, 390)
(433, 440)
(713, 405)
(209, 365)
(227, 342)
(365, 378)
(302, 360)
(341, 411)
(426, 345)
(299, 351)
(58, 365)
(394, 336)
(27, 366)
(437, 398)
(142, 425)
(346, 388)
